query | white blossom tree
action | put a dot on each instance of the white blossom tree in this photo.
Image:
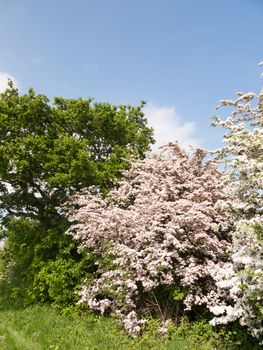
(240, 283)
(158, 237)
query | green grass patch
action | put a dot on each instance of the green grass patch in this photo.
(44, 328)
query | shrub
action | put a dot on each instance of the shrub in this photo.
(35, 272)
(158, 237)
(240, 282)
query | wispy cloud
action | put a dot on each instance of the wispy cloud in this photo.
(4, 77)
(169, 127)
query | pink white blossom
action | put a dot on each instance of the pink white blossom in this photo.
(162, 227)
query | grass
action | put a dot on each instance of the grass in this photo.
(42, 327)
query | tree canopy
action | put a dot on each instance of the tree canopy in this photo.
(49, 150)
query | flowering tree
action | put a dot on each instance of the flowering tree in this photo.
(241, 282)
(157, 237)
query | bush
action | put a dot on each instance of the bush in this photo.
(35, 272)
(240, 282)
(158, 237)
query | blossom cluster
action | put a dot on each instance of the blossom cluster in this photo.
(163, 227)
(240, 283)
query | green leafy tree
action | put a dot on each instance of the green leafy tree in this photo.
(50, 150)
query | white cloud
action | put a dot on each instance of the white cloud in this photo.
(168, 126)
(4, 80)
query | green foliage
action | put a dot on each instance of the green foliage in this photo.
(47, 152)
(178, 294)
(43, 266)
(57, 281)
(2, 232)
(18, 255)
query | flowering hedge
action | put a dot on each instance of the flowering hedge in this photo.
(158, 237)
(240, 282)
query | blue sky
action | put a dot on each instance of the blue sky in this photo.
(181, 56)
